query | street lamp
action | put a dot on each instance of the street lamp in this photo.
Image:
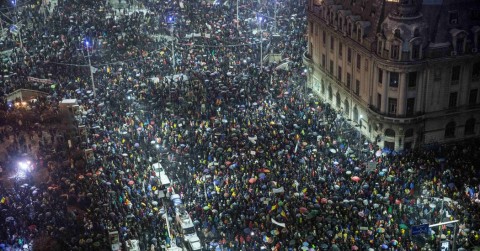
(16, 26)
(88, 46)
(275, 16)
(171, 22)
(260, 20)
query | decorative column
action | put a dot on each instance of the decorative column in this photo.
(385, 86)
(402, 98)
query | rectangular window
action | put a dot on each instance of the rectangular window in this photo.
(331, 67)
(476, 71)
(472, 98)
(395, 51)
(455, 75)
(453, 17)
(412, 79)
(393, 79)
(323, 87)
(359, 62)
(324, 60)
(380, 76)
(339, 73)
(379, 101)
(311, 27)
(410, 106)
(366, 64)
(324, 38)
(357, 87)
(340, 49)
(349, 80)
(332, 43)
(437, 74)
(317, 28)
(452, 101)
(415, 51)
(349, 55)
(392, 106)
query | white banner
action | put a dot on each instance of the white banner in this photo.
(278, 223)
(39, 80)
(278, 190)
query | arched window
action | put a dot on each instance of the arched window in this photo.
(339, 100)
(355, 114)
(390, 133)
(330, 94)
(409, 133)
(346, 107)
(450, 130)
(470, 126)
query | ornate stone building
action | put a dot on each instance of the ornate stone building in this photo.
(406, 72)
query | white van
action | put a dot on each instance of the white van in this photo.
(160, 173)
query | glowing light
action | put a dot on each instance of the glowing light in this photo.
(25, 165)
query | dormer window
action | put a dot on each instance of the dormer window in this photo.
(453, 17)
(416, 32)
(397, 33)
(459, 40)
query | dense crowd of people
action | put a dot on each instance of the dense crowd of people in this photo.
(258, 161)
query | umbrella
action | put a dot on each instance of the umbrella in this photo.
(247, 230)
(403, 226)
(305, 244)
(355, 178)
(354, 247)
(332, 150)
(252, 180)
(261, 176)
(394, 242)
(303, 210)
(384, 246)
(131, 182)
(324, 201)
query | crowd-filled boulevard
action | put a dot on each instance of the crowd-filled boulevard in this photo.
(254, 159)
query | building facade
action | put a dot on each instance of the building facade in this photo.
(406, 72)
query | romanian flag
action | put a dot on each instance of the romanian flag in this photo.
(274, 207)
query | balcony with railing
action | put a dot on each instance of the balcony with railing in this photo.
(307, 59)
(394, 118)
